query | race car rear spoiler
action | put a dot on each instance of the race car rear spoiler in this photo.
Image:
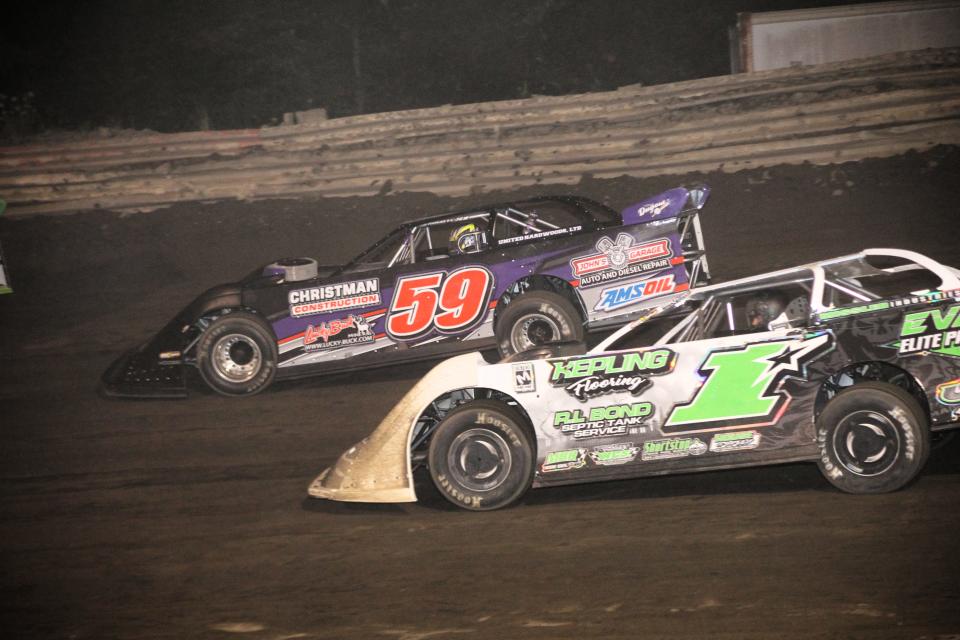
(681, 205)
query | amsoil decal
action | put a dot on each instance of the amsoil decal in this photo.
(586, 377)
(741, 385)
(935, 330)
(672, 448)
(564, 460)
(614, 454)
(601, 422)
(445, 302)
(337, 333)
(625, 295)
(621, 259)
(334, 297)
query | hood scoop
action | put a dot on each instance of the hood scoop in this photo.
(292, 269)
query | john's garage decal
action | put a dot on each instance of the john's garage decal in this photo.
(334, 297)
(585, 378)
(621, 258)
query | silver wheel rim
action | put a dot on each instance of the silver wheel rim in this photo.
(479, 459)
(533, 330)
(867, 443)
(236, 358)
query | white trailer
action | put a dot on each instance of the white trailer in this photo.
(778, 39)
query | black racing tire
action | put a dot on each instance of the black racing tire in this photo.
(482, 456)
(873, 438)
(536, 318)
(237, 354)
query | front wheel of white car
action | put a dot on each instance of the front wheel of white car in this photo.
(873, 438)
(481, 456)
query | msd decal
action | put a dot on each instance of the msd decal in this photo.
(620, 259)
(625, 295)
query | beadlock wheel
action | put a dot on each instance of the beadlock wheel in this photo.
(237, 354)
(236, 358)
(533, 330)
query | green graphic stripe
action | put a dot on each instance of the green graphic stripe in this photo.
(853, 311)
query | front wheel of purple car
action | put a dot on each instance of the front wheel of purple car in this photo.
(481, 456)
(873, 438)
(237, 354)
(537, 318)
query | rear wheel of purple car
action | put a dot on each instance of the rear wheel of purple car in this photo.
(537, 318)
(481, 456)
(873, 438)
(237, 355)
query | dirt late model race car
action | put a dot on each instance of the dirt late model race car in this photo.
(849, 362)
(511, 276)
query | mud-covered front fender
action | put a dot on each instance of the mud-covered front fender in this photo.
(378, 469)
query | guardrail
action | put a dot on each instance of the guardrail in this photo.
(830, 113)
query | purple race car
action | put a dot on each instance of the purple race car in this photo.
(511, 276)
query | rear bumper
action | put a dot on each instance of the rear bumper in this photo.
(137, 374)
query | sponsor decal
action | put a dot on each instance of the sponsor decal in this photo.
(445, 302)
(934, 330)
(625, 295)
(585, 378)
(334, 297)
(602, 422)
(564, 460)
(672, 448)
(541, 234)
(735, 441)
(741, 386)
(614, 454)
(949, 392)
(621, 259)
(523, 378)
(653, 209)
(358, 328)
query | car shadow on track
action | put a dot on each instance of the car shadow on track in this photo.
(785, 478)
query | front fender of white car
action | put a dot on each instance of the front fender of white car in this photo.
(378, 469)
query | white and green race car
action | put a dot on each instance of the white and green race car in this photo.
(851, 363)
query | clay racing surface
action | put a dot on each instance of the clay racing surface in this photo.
(188, 519)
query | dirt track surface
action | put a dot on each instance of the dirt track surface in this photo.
(188, 519)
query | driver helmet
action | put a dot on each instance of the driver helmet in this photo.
(764, 307)
(457, 234)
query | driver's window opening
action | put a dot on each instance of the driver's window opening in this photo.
(526, 219)
(767, 308)
(654, 329)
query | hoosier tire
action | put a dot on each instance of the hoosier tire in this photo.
(873, 438)
(537, 318)
(237, 354)
(481, 456)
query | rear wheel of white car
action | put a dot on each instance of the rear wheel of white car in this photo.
(237, 355)
(873, 438)
(481, 456)
(537, 318)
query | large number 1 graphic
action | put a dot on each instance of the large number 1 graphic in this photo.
(448, 302)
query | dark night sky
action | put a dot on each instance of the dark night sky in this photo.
(181, 65)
